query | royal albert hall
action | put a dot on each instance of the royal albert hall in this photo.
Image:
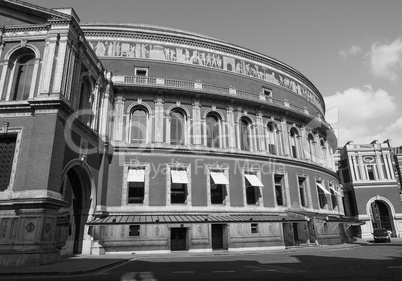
(185, 142)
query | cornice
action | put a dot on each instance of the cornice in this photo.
(222, 154)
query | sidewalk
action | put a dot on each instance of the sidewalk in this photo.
(80, 264)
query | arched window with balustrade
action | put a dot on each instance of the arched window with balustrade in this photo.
(271, 139)
(177, 127)
(213, 126)
(294, 143)
(245, 134)
(138, 130)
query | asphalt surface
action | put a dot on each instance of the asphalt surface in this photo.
(296, 263)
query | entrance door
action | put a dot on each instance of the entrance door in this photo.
(296, 233)
(380, 215)
(73, 217)
(217, 236)
(288, 237)
(178, 237)
(311, 231)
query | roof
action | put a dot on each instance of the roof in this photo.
(180, 218)
(40, 12)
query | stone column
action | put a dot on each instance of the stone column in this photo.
(285, 137)
(380, 172)
(96, 105)
(353, 167)
(231, 127)
(47, 65)
(167, 128)
(118, 120)
(2, 43)
(238, 146)
(384, 158)
(59, 75)
(204, 132)
(34, 78)
(223, 138)
(105, 109)
(69, 71)
(196, 125)
(260, 132)
(388, 164)
(6, 65)
(361, 167)
(187, 129)
(159, 111)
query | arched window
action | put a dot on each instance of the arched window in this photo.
(311, 146)
(23, 74)
(138, 126)
(271, 138)
(213, 128)
(294, 138)
(177, 122)
(244, 134)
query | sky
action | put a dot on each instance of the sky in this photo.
(351, 50)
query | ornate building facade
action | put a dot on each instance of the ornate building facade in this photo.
(137, 138)
(369, 175)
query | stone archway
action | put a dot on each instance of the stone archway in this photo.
(381, 216)
(76, 189)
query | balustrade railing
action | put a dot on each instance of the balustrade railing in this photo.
(226, 91)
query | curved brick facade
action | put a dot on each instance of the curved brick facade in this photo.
(243, 114)
(136, 138)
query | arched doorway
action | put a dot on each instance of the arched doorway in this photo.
(76, 191)
(380, 215)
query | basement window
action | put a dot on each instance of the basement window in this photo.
(254, 228)
(134, 230)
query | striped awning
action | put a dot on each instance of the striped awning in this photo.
(164, 219)
(344, 219)
(327, 217)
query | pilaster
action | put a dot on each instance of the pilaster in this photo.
(231, 127)
(47, 65)
(59, 65)
(285, 137)
(119, 115)
(196, 125)
(159, 120)
(260, 132)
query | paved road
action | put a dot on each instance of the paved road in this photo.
(370, 262)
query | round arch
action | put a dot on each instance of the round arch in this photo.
(390, 210)
(88, 77)
(78, 189)
(135, 105)
(214, 112)
(147, 127)
(247, 117)
(179, 108)
(295, 128)
(380, 198)
(16, 48)
(274, 122)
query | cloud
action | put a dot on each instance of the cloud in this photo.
(350, 52)
(360, 113)
(385, 60)
(393, 132)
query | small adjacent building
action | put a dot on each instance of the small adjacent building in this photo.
(369, 175)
